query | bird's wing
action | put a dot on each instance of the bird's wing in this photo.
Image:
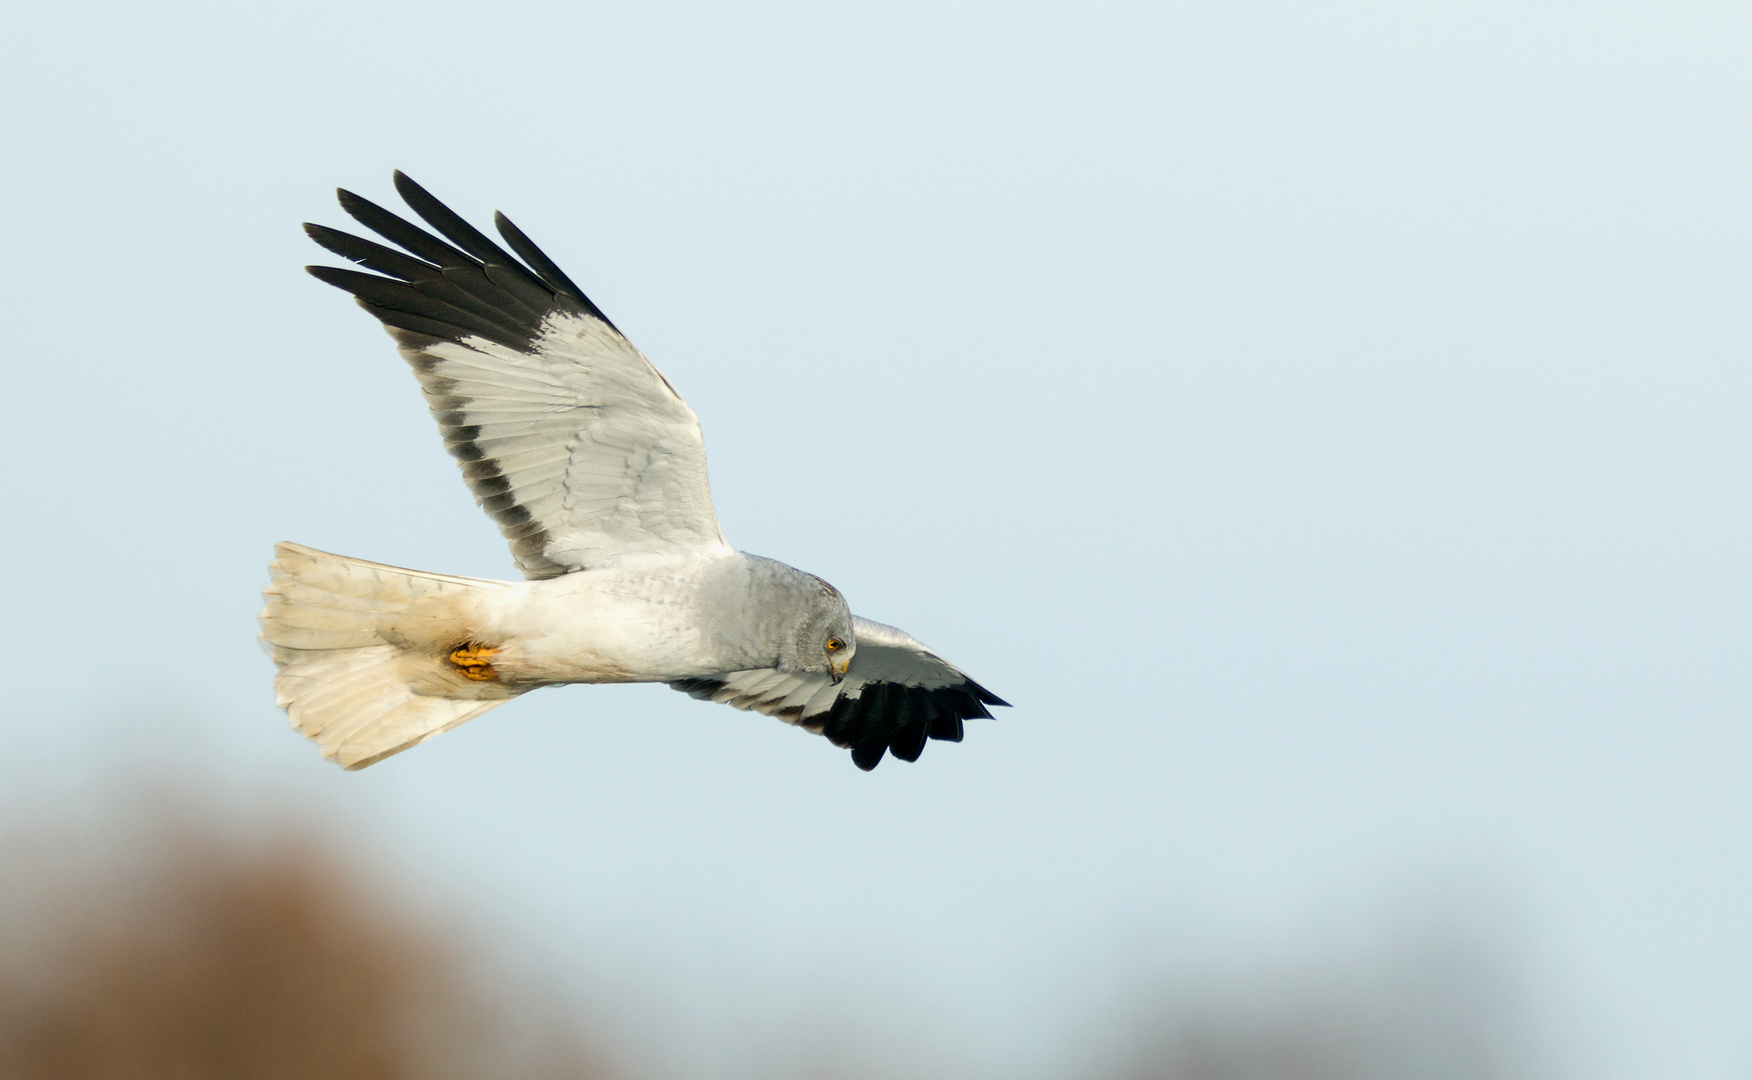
(569, 438)
(896, 694)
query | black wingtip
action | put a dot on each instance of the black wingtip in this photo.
(544, 267)
(866, 756)
(348, 200)
(909, 742)
(326, 275)
(989, 698)
(414, 195)
(451, 224)
(343, 244)
(948, 727)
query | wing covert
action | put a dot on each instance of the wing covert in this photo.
(570, 439)
(896, 695)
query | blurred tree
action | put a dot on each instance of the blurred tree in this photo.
(1438, 1005)
(183, 952)
(204, 957)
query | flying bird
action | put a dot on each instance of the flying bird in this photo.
(594, 469)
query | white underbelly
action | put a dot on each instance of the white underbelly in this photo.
(597, 626)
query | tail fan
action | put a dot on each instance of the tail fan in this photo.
(368, 654)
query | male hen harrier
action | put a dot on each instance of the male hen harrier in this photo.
(595, 470)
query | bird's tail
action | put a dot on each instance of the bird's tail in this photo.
(375, 659)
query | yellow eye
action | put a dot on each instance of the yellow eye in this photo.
(835, 644)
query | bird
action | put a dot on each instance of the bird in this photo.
(594, 469)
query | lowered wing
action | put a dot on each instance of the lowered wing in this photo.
(569, 438)
(896, 695)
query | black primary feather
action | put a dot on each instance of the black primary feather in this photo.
(544, 267)
(449, 286)
(885, 717)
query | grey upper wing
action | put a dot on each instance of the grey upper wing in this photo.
(896, 694)
(568, 436)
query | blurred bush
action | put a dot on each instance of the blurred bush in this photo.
(174, 949)
(1437, 1003)
(190, 954)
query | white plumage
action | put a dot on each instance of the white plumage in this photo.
(595, 470)
(359, 648)
(602, 453)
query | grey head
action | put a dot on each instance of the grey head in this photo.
(810, 620)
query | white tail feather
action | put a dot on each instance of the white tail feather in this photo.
(362, 650)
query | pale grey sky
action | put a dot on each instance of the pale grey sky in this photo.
(1325, 423)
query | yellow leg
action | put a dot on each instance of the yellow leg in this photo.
(474, 661)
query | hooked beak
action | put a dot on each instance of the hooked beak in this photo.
(836, 670)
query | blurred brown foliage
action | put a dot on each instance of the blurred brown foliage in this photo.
(185, 951)
(1437, 1004)
(191, 955)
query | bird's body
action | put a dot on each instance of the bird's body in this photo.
(652, 623)
(594, 468)
(655, 621)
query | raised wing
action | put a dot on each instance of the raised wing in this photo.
(896, 695)
(569, 438)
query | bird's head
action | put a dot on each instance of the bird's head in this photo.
(821, 635)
